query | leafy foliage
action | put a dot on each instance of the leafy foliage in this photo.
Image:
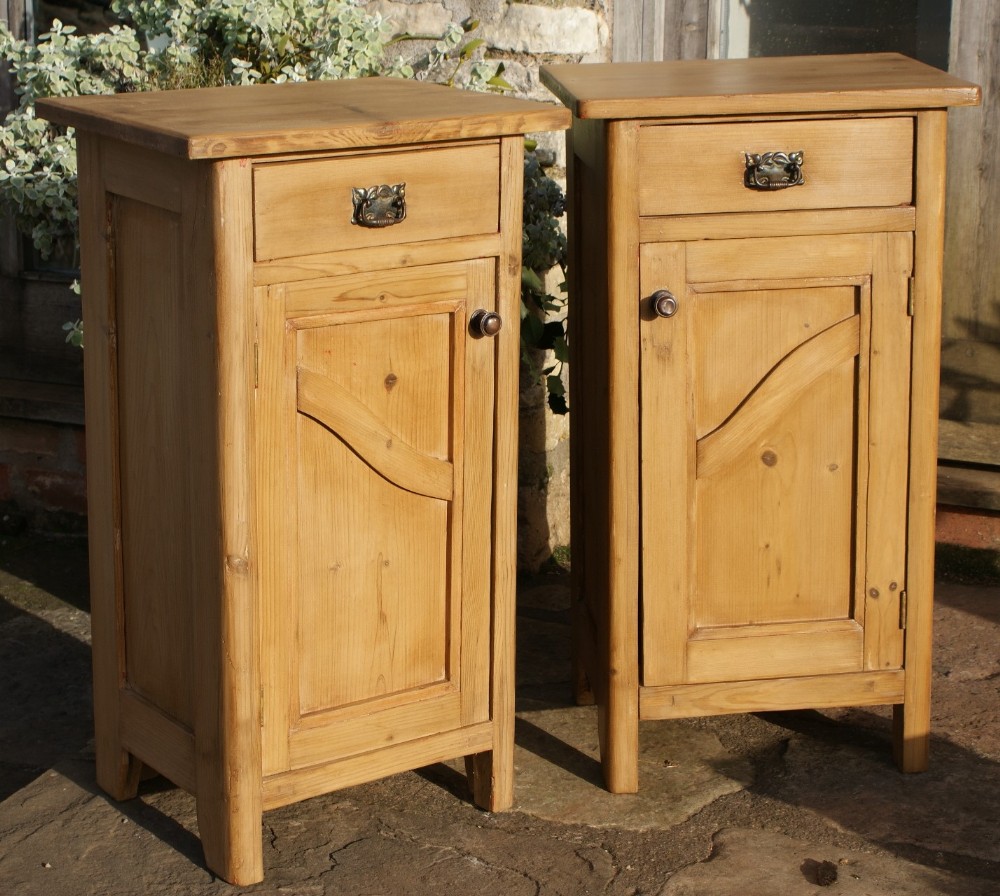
(543, 326)
(38, 160)
(449, 54)
(256, 41)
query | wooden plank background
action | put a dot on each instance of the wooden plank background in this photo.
(970, 376)
(651, 30)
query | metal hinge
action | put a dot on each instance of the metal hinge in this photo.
(902, 610)
(910, 301)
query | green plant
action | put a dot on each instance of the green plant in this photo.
(449, 54)
(38, 167)
(543, 326)
(256, 41)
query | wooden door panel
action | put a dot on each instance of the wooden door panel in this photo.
(396, 367)
(762, 385)
(383, 449)
(386, 507)
(767, 402)
(775, 524)
(375, 477)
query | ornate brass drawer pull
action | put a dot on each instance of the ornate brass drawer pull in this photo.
(773, 170)
(379, 206)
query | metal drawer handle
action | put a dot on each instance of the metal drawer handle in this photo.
(664, 303)
(379, 206)
(485, 323)
(773, 170)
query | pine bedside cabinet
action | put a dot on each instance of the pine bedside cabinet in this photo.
(755, 315)
(301, 319)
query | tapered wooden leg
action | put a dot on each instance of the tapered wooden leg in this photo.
(582, 645)
(491, 773)
(910, 738)
(618, 730)
(118, 771)
(227, 742)
(491, 779)
(231, 839)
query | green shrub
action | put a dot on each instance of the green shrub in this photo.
(38, 167)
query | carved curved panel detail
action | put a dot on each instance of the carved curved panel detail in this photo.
(778, 391)
(336, 408)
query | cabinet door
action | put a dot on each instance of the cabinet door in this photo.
(375, 417)
(774, 408)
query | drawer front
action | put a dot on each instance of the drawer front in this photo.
(306, 208)
(846, 163)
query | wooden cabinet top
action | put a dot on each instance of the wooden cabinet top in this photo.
(226, 122)
(858, 82)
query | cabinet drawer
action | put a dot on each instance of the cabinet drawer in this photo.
(847, 163)
(305, 208)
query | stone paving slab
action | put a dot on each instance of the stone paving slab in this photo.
(558, 773)
(744, 804)
(760, 863)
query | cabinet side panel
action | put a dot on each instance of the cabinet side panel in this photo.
(156, 455)
(764, 553)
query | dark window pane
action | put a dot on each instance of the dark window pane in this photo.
(917, 28)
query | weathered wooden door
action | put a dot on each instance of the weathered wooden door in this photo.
(375, 416)
(774, 409)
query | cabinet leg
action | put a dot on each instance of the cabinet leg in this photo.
(231, 840)
(491, 779)
(117, 770)
(618, 731)
(911, 736)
